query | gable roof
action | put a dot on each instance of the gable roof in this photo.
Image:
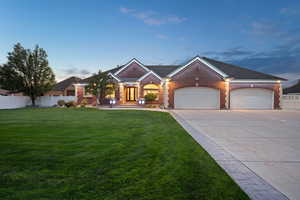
(62, 85)
(134, 60)
(293, 89)
(198, 58)
(224, 69)
(163, 70)
(237, 72)
(147, 74)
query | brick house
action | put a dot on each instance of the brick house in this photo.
(201, 83)
(64, 88)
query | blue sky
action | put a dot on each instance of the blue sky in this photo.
(82, 37)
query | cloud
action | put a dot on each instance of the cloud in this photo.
(126, 10)
(84, 72)
(283, 58)
(73, 71)
(151, 17)
(162, 37)
(289, 11)
(229, 53)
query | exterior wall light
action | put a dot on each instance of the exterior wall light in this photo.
(112, 102)
(141, 101)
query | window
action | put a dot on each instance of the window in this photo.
(86, 93)
(151, 88)
(110, 92)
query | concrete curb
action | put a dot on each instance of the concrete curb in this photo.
(256, 187)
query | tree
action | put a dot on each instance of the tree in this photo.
(27, 71)
(101, 85)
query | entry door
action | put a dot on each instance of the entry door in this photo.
(131, 93)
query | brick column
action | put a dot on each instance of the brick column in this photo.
(166, 93)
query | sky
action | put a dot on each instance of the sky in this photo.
(83, 36)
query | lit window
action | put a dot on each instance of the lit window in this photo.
(151, 88)
(86, 93)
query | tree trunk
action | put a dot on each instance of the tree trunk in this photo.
(98, 102)
(33, 101)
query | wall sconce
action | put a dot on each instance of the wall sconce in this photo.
(141, 101)
(112, 102)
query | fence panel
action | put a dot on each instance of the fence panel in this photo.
(49, 101)
(10, 102)
(290, 102)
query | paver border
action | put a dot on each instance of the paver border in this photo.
(255, 186)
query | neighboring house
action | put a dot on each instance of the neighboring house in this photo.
(64, 88)
(201, 83)
(8, 93)
(295, 89)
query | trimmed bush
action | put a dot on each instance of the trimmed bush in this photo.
(61, 103)
(83, 103)
(70, 104)
(150, 97)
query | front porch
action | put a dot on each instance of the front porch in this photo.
(131, 93)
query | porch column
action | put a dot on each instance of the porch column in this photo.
(138, 90)
(227, 94)
(121, 91)
(280, 95)
(166, 93)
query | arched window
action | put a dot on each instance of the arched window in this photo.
(151, 88)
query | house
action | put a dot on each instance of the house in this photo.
(64, 88)
(294, 89)
(201, 83)
(9, 93)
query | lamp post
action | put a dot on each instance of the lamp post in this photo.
(112, 102)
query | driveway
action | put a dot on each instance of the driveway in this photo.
(267, 142)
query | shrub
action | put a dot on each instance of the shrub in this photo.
(61, 103)
(83, 103)
(150, 97)
(70, 104)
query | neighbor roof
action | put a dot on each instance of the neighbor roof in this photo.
(293, 89)
(62, 85)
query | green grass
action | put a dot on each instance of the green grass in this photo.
(92, 154)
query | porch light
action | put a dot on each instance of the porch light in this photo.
(141, 101)
(112, 102)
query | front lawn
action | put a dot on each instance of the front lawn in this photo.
(92, 154)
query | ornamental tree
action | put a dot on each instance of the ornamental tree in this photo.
(27, 71)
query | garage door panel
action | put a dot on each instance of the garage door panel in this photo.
(197, 98)
(251, 98)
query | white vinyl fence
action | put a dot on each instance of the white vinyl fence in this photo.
(10, 102)
(290, 102)
(49, 101)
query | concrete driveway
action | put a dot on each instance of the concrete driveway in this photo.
(267, 142)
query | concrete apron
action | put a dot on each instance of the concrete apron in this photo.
(256, 187)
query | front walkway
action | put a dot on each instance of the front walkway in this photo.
(221, 134)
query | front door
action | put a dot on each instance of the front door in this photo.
(131, 94)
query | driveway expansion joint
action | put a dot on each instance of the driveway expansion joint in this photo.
(255, 186)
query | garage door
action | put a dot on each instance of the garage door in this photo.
(251, 98)
(197, 98)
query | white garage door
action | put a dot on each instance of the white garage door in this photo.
(251, 98)
(197, 98)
